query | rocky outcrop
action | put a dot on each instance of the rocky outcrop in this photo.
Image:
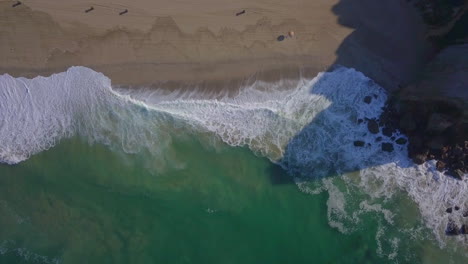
(433, 112)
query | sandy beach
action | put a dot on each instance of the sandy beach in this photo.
(164, 41)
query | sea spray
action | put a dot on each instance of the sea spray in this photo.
(306, 126)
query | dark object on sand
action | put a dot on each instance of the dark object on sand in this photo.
(89, 10)
(280, 38)
(240, 13)
(16, 4)
(123, 12)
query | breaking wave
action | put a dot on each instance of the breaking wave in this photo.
(306, 126)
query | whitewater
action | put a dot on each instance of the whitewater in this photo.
(307, 126)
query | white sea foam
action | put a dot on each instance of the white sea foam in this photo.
(306, 126)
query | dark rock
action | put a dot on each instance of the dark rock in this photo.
(407, 122)
(373, 126)
(436, 143)
(419, 158)
(460, 164)
(388, 147)
(280, 38)
(367, 99)
(457, 174)
(457, 150)
(378, 139)
(457, 208)
(359, 143)
(401, 141)
(452, 229)
(465, 214)
(375, 96)
(387, 131)
(464, 230)
(438, 123)
(359, 121)
(416, 142)
(440, 165)
(449, 210)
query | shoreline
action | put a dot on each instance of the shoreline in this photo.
(150, 75)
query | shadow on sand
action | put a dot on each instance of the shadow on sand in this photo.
(388, 46)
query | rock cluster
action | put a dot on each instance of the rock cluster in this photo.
(436, 130)
(452, 228)
(386, 125)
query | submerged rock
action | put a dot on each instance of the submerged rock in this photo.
(373, 126)
(359, 143)
(449, 210)
(401, 141)
(457, 208)
(387, 131)
(388, 147)
(452, 229)
(368, 99)
(464, 230)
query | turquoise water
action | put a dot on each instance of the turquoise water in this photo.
(92, 176)
(85, 204)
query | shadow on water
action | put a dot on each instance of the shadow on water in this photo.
(388, 46)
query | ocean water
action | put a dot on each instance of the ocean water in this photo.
(95, 174)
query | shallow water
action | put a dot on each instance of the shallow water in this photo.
(169, 179)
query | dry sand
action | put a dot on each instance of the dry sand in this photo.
(202, 40)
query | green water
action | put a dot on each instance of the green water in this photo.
(77, 203)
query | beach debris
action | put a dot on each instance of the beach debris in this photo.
(89, 10)
(291, 34)
(123, 12)
(240, 13)
(16, 4)
(280, 38)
